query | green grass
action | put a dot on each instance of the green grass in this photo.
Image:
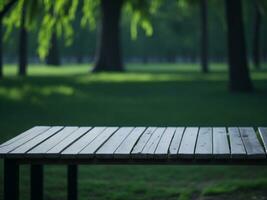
(154, 94)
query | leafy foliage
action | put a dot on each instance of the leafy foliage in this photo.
(59, 16)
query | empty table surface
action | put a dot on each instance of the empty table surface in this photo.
(146, 144)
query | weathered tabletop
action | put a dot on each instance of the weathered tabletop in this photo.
(138, 145)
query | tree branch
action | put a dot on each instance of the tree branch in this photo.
(7, 7)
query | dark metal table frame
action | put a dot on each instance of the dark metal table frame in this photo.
(11, 171)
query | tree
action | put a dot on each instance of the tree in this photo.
(204, 36)
(23, 44)
(5, 6)
(260, 7)
(53, 57)
(58, 16)
(108, 55)
(22, 17)
(256, 36)
(239, 78)
(203, 39)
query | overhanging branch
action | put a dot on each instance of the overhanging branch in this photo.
(7, 7)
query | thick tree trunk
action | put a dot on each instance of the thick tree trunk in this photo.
(109, 56)
(256, 37)
(1, 48)
(239, 79)
(53, 57)
(204, 36)
(23, 61)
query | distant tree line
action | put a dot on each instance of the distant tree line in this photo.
(195, 29)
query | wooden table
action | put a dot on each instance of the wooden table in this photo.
(125, 145)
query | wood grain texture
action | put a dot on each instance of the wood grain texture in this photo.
(162, 149)
(23, 149)
(33, 130)
(81, 143)
(251, 143)
(176, 141)
(108, 149)
(13, 144)
(48, 144)
(263, 134)
(221, 147)
(238, 150)
(138, 148)
(188, 143)
(56, 150)
(151, 145)
(90, 149)
(138, 144)
(204, 143)
(125, 148)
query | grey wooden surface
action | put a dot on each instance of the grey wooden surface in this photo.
(138, 143)
(221, 149)
(204, 143)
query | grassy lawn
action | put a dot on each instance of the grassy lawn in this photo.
(161, 95)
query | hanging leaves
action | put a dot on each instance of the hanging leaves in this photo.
(58, 16)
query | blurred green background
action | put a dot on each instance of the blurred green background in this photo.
(152, 94)
(136, 63)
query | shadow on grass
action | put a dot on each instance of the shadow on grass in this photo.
(134, 98)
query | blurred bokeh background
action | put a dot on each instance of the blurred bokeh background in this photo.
(136, 63)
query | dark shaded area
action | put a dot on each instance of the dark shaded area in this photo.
(108, 55)
(23, 45)
(6, 8)
(239, 78)
(257, 35)
(53, 57)
(204, 36)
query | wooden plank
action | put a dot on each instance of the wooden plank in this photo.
(263, 134)
(110, 146)
(45, 146)
(21, 150)
(204, 143)
(176, 141)
(164, 143)
(20, 141)
(238, 150)
(151, 145)
(124, 150)
(33, 130)
(90, 149)
(55, 151)
(81, 143)
(252, 144)
(142, 142)
(188, 143)
(221, 148)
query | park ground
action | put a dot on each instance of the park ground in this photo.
(152, 94)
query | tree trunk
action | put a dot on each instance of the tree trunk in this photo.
(6, 8)
(256, 37)
(239, 79)
(108, 57)
(1, 48)
(53, 57)
(23, 45)
(204, 36)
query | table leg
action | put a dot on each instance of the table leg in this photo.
(72, 182)
(11, 179)
(37, 182)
